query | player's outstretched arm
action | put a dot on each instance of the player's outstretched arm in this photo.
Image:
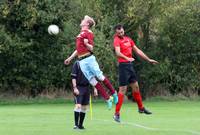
(68, 60)
(143, 55)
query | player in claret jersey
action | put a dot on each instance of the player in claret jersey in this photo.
(88, 63)
(124, 46)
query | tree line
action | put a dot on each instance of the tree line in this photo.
(31, 60)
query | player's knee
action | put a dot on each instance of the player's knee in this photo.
(78, 106)
(101, 77)
(135, 86)
(122, 89)
(84, 109)
(123, 92)
(93, 81)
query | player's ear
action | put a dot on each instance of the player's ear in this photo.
(88, 23)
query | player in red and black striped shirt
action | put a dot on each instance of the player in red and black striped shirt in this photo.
(124, 46)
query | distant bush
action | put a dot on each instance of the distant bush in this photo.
(31, 60)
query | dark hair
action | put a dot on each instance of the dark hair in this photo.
(118, 26)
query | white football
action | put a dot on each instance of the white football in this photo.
(53, 29)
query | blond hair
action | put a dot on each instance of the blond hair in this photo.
(90, 20)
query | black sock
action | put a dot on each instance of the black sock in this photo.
(76, 117)
(82, 117)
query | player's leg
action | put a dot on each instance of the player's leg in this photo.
(121, 93)
(135, 89)
(82, 116)
(94, 66)
(107, 83)
(102, 91)
(138, 98)
(123, 82)
(88, 72)
(85, 102)
(77, 110)
(136, 94)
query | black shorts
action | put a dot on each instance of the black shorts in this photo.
(127, 74)
(84, 95)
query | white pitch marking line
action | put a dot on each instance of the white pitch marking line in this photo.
(152, 129)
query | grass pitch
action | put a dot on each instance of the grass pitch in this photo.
(169, 118)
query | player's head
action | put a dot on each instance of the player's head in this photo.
(87, 21)
(119, 30)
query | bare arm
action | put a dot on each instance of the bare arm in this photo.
(76, 91)
(119, 54)
(89, 46)
(143, 55)
(68, 60)
(95, 91)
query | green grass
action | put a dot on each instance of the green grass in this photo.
(169, 118)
